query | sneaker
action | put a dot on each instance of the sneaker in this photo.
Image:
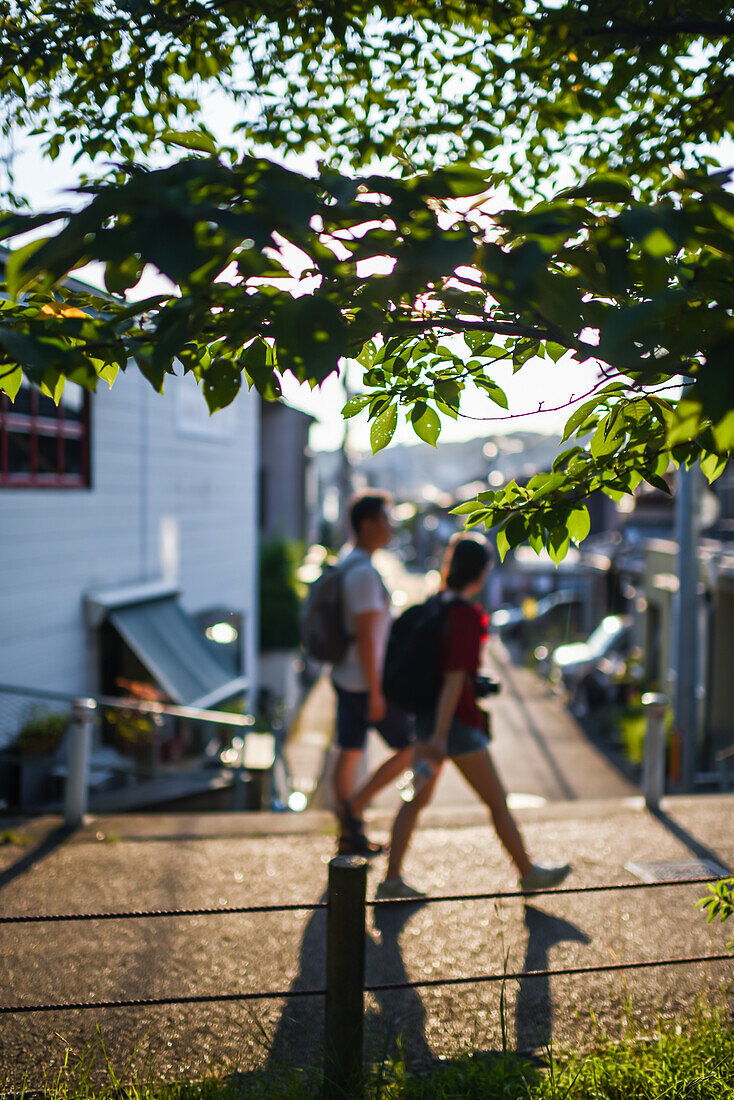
(394, 888)
(543, 878)
(357, 844)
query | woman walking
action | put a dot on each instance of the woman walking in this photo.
(458, 730)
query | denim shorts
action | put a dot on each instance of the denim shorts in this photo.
(462, 738)
(396, 728)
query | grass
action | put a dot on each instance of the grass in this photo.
(681, 1063)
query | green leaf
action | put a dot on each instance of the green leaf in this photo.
(448, 391)
(577, 418)
(53, 385)
(15, 279)
(658, 483)
(109, 373)
(603, 188)
(355, 405)
(383, 428)
(503, 544)
(658, 244)
(10, 380)
(558, 544)
(197, 140)
(367, 355)
(426, 423)
(523, 350)
(221, 384)
(467, 508)
(713, 466)
(493, 391)
(724, 432)
(579, 524)
(258, 363)
(605, 439)
(555, 351)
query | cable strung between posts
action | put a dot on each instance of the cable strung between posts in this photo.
(152, 1002)
(285, 994)
(223, 910)
(568, 970)
(502, 895)
(136, 914)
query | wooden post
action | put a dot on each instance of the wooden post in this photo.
(653, 771)
(345, 948)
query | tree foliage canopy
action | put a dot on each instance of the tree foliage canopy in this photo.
(492, 181)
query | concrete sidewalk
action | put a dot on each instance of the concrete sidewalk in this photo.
(162, 861)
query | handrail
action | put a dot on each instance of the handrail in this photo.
(112, 702)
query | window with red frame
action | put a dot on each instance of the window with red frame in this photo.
(41, 444)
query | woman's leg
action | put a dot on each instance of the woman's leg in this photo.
(406, 820)
(479, 772)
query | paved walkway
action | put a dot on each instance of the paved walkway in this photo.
(149, 862)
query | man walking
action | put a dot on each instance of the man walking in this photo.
(357, 677)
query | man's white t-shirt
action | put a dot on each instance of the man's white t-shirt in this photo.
(363, 589)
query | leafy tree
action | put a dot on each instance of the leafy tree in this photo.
(590, 123)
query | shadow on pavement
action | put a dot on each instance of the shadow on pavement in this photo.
(398, 1028)
(694, 846)
(43, 848)
(534, 1006)
(299, 1033)
(395, 1027)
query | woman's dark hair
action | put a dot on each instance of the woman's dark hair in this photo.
(468, 557)
(367, 505)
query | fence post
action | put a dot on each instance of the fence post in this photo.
(80, 747)
(653, 770)
(345, 948)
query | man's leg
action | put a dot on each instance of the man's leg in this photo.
(351, 730)
(396, 729)
(390, 769)
(345, 770)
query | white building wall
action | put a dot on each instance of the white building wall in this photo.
(173, 496)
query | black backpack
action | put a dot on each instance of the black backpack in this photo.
(412, 675)
(324, 634)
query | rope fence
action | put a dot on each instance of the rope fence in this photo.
(345, 987)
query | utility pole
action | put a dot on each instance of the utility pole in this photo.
(686, 619)
(345, 485)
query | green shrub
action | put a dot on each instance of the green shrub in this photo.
(279, 602)
(42, 732)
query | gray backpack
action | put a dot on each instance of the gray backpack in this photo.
(324, 634)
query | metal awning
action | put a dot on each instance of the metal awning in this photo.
(168, 642)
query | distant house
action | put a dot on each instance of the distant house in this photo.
(287, 480)
(127, 523)
(716, 636)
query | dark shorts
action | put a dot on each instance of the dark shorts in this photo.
(461, 739)
(396, 728)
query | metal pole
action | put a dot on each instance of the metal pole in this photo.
(653, 770)
(345, 947)
(80, 747)
(685, 702)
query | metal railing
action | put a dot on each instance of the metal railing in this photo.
(79, 715)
